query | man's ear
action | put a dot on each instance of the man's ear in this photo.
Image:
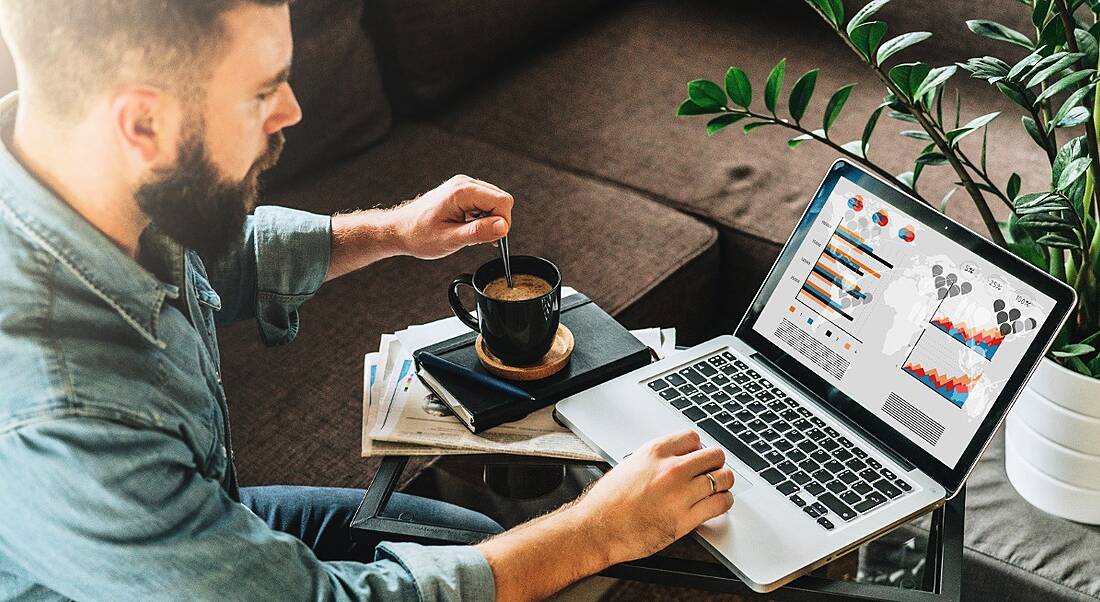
(146, 122)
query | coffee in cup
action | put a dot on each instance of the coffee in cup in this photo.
(518, 323)
(524, 287)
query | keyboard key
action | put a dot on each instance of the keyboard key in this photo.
(782, 427)
(705, 369)
(886, 488)
(815, 434)
(675, 380)
(733, 445)
(732, 407)
(872, 500)
(802, 425)
(740, 378)
(851, 498)
(796, 455)
(769, 434)
(844, 442)
(795, 436)
(842, 454)
(727, 369)
(903, 485)
(787, 488)
(748, 437)
(838, 507)
(773, 476)
(773, 457)
(800, 477)
(805, 413)
(855, 465)
(832, 432)
(688, 390)
(836, 486)
(757, 425)
(889, 475)
(817, 422)
(783, 445)
(728, 356)
(818, 508)
(848, 477)
(797, 501)
(787, 467)
(766, 382)
(830, 444)
(658, 384)
(820, 456)
(859, 453)
(717, 360)
(769, 417)
(737, 362)
(753, 388)
(869, 475)
(681, 403)
(813, 510)
(700, 399)
(807, 446)
(824, 522)
(815, 489)
(708, 388)
(711, 408)
(735, 427)
(874, 463)
(789, 415)
(732, 390)
(744, 416)
(808, 465)
(694, 414)
(822, 476)
(753, 373)
(721, 397)
(692, 376)
(720, 379)
(833, 467)
(670, 393)
(755, 407)
(723, 416)
(761, 446)
(744, 397)
(765, 396)
(861, 488)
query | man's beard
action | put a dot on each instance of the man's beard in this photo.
(194, 205)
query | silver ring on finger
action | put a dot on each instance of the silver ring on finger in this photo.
(713, 483)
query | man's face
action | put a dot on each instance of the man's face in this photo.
(225, 144)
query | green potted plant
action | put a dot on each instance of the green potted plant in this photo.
(1053, 434)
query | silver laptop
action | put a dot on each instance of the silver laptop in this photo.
(871, 370)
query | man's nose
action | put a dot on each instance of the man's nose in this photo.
(288, 113)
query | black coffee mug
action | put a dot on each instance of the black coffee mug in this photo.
(519, 333)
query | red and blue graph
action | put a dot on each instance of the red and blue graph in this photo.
(985, 341)
(953, 388)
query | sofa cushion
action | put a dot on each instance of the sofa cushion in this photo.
(432, 48)
(296, 409)
(337, 79)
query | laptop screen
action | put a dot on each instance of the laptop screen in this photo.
(922, 332)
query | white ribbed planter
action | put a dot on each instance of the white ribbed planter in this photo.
(1052, 443)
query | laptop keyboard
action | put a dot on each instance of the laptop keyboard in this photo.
(808, 461)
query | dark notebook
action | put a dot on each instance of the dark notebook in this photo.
(602, 350)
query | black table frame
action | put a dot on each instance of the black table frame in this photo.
(942, 573)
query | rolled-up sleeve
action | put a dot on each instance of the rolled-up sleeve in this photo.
(113, 512)
(280, 265)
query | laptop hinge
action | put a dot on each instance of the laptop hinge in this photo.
(790, 380)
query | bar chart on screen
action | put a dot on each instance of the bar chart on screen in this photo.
(943, 367)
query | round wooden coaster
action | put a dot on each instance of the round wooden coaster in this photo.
(551, 363)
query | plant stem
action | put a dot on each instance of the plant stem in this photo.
(945, 148)
(1090, 129)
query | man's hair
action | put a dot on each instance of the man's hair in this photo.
(69, 50)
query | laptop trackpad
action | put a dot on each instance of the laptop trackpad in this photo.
(741, 483)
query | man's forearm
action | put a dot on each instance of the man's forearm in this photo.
(360, 239)
(535, 560)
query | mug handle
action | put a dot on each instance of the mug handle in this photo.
(456, 304)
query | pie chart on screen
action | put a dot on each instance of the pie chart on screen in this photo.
(881, 218)
(907, 234)
(856, 203)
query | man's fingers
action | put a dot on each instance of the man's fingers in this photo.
(723, 481)
(703, 460)
(676, 444)
(710, 507)
(486, 229)
(474, 196)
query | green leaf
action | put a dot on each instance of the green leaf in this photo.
(835, 105)
(864, 13)
(1053, 34)
(995, 31)
(801, 92)
(1065, 61)
(1075, 364)
(906, 117)
(934, 79)
(688, 107)
(832, 10)
(1024, 65)
(756, 124)
(1039, 13)
(908, 76)
(985, 143)
(793, 142)
(916, 135)
(774, 84)
(1094, 367)
(1047, 222)
(1091, 338)
(946, 198)
(1071, 102)
(1032, 129)
(1072, 149)
(722, 121)
(1075, 117)
(1074, 350)
(706, 94)
(1013, 188)
(867, 37)
(953, 136)
(869, 129)
(932, 158)
(738, 87)
(989, 68)
(1013, 95)
(1086, 43)
(1074, 170)
(1064, 83)
(1029, 253)
(855, 147)
(895, 45)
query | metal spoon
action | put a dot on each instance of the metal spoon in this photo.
(507, 256)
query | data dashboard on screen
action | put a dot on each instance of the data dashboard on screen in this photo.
(911, 325)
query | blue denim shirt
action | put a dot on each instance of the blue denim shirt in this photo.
(116, 469)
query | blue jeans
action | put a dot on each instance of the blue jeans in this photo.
(320, 516)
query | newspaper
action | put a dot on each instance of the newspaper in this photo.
(402, 417)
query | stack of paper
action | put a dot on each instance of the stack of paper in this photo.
(402, 417)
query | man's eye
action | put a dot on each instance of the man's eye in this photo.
(266, 95)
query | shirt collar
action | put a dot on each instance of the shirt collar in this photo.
(51, 224)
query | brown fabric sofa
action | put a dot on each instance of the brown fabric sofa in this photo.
(570, 105)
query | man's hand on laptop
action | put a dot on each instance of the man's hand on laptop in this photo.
(655, 496)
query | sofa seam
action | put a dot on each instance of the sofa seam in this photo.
(1031, 572)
